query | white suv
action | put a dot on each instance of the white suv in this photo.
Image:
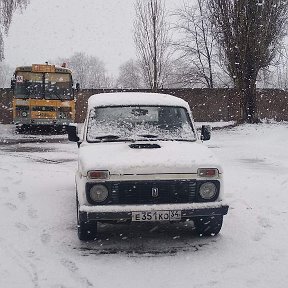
(140, 159)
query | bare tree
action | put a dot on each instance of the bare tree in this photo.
(197, 45)
(96, 74)
(277, 75)
(5, 75)
(249, 32)
(181, 74)
(130, 75)
(282, 72)
(151, 36)
(89, 71)
(7, 8)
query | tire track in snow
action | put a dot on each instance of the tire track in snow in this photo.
(45, 237)
(11, 206)
(22, 195)
(22, 262)
(264, 224)
(4, 189)
(32, 213)
(73, 268)
(38, 159)
(21, 226)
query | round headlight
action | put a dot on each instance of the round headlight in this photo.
(208, 190)
(98, 193)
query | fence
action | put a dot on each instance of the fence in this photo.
(207, 104)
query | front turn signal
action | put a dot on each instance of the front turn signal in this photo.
(98, 174)
(208, 172)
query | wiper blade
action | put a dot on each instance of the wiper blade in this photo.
(107, 137)
(55, 92)
(148, 135)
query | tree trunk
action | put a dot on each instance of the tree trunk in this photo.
(155, 70)
(248, 102)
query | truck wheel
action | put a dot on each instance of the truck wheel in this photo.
(208, 226)
(20, 129)
(86, 231)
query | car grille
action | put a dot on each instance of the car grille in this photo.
(153, 192)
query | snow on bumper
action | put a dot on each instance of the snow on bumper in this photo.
(124, 212)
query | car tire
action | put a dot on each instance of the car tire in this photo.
(86, 231)
(208, 226)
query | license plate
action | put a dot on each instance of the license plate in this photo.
(156, 216)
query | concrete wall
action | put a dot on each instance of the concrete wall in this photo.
(206, 104)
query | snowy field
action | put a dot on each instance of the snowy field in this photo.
(38, 240)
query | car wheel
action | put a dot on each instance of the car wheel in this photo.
(208, 226)
(86, 231)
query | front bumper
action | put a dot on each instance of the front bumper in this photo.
(124, 212)
(48, 122)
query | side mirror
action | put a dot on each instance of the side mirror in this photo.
(205, 132)
(77, 87)
(13, 84)
(72, 133)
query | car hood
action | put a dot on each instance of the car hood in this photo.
(146, 157)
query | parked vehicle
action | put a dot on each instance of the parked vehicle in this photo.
(42, 96)
(140, 159)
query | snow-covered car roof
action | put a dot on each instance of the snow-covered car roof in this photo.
(134, 98)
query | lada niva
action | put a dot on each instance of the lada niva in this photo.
(141, 159)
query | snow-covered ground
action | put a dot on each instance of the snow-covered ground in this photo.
(39, 245)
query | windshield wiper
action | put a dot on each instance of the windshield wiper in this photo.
(55, 92)
(148, 135)
(107, 137)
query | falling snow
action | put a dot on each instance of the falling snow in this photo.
(39, 245)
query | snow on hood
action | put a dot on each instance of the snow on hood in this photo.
(172, 157)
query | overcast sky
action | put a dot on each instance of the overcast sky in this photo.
(49, 29)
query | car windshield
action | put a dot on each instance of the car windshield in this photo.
(139, 123)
